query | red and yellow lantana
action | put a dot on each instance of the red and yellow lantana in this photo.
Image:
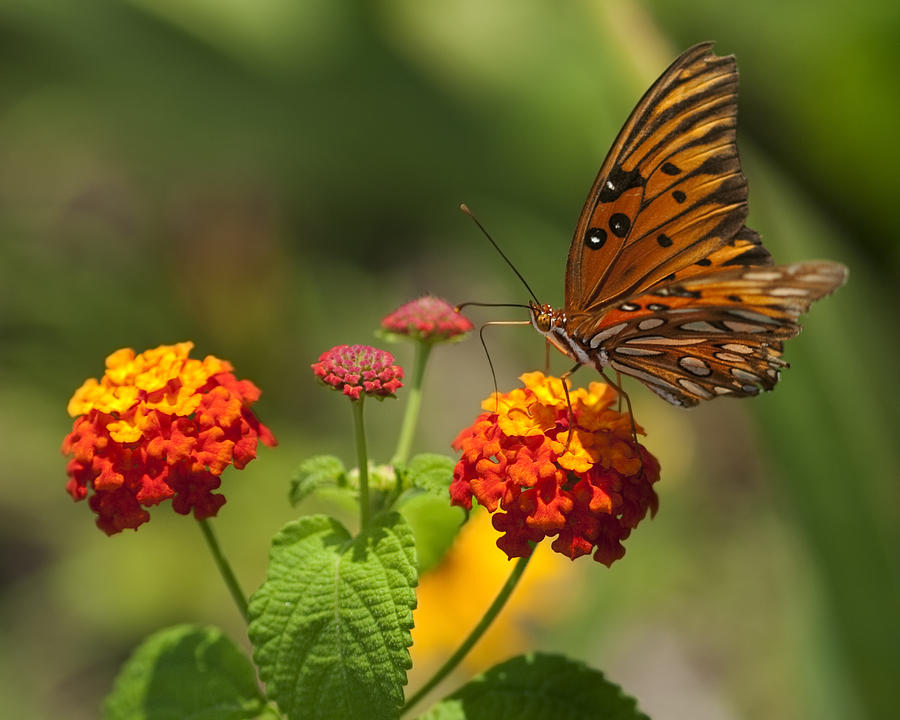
(589, 495)
(159, 425)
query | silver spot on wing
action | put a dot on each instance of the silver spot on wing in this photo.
(695, 366)
(661, 340)
(740, 327)
(745, 376)
(694, 388)
(606, 334)
(764, 275)
(700, 326)
(622, 350)
(650, 323)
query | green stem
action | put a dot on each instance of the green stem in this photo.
(413, 403)
(224, 568)
(474, 636)
(362, 459)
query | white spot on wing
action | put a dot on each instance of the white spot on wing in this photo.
(650, 323)
(694, 388)
(764, 275)
(745, 376)
(701, 326)
(788, 291)
(606, 334)
(695, 366)
(637, 351)
(818, 279)
(740, 327)
(728, 357)
(660, 340)
(738, 348)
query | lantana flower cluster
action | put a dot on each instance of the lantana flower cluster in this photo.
(589, 495)
(356, 370)
(428, 318)
(159, 425)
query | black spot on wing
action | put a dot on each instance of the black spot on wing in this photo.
(617, 182)
(619, 224)
(595, 238)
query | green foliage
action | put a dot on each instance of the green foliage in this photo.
(315, 472)
(330, 624)
(427, 510)
(435, 524)
(431, 472)
(537, 687)
(186, 671)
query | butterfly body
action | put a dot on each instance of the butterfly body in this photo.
(664, 281)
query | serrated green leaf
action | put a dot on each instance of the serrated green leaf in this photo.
(186, 671)
(431, 472)
(537, 687)
(331, 623)
(315, 472)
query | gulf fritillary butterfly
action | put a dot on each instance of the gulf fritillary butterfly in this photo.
(664, 282)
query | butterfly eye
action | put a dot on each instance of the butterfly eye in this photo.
(543, 321)
(595, 238)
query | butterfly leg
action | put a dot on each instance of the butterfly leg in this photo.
(619, 384)
(565, 383)
(622, 393)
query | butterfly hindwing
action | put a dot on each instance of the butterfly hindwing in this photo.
(715, 334)
(670, 192)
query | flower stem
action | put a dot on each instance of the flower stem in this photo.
(413, 403)
(362, 459)
(474, 636)
(224, 568)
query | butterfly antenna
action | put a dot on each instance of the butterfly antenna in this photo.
(488, 355)
(465, 209)
(459, 307)
(491, 365)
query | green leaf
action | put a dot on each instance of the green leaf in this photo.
(537, 687)
(435, 523)
(330, 624)
(186, 671)
(431, 472)
(316, 472)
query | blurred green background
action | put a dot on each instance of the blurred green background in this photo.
(270, 178)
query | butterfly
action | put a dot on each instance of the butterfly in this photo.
(664, 281)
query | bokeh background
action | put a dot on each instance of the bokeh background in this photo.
(270, 178)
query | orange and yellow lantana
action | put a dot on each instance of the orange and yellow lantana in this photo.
(159, 425)
(590, 495)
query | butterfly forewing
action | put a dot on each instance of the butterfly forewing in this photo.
(714, 334)
(671, 191)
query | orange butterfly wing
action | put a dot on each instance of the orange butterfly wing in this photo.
(713, 334)
(669, 194)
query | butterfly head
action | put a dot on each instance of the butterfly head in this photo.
(543, 317)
